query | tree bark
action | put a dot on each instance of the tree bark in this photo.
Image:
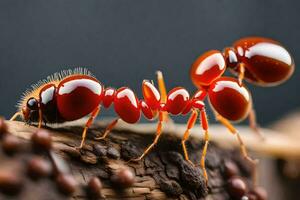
(162, 174)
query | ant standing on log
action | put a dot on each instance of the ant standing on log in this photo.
(71, 95)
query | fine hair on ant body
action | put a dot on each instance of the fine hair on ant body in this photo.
(71, 95)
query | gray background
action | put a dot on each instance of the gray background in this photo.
(124, 42)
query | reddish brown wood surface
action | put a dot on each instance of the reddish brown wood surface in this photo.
(163, 174)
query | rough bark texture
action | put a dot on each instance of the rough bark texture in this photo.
(163, 174)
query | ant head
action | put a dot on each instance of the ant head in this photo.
(30, 110)
(207, 68)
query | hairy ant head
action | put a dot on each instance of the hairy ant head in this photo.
(30, 110)
(32, 100)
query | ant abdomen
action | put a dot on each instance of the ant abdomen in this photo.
(266, 61)
(230, 99)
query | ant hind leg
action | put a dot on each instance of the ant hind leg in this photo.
(243, 148)
(253, 124)
(158, 134)
(204, 124)
(190, 125)
(108, 129)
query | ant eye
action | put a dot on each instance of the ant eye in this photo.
(32, 104)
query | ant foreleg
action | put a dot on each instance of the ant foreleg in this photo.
(241, 68)
(190, 125)
(204, 124)
(243, 148)
(15, 116)
(88, 124)
(253, 124)
(108, 129)
(157, 136)
(247, 157)
(40, 118)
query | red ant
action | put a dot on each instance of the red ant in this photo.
(74, 94)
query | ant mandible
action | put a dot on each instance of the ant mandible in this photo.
(71, 95)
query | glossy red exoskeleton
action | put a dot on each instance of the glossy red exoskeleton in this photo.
(75, 94)
(260, 61)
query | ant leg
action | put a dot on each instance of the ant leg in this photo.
(241, 73)
(253, 124)
(108, 129)
(158, 134)
(162, 86)
(244, 151)
(190, 125)
(15, 116)
(204, 124)
(88, 124)
(40, 118)
(163, 92)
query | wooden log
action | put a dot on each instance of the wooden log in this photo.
(163, 174)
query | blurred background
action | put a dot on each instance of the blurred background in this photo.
(123, 43)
